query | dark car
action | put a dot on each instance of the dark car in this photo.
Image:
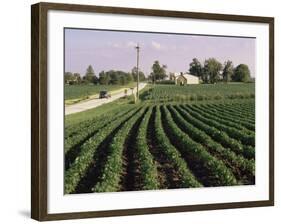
(104, 94)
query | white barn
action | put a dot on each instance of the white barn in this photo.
(184, 79)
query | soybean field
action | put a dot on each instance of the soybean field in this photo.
(164, 143)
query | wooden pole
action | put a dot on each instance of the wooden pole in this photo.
(138, 79)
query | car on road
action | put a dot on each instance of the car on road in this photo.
(104, 94)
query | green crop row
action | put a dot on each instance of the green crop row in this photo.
(174, 157)
(236, 111)
(215, 171)
(112, 171)
(227, 117)
(235, 162)
(147, 166)
(214, 133)
(208, 113)
(169, 93)
(83, 132)
(79, 168)
(245, 138)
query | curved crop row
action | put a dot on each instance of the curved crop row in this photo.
(148, 169)
(227, 117)
(111, 173)
(79, 168)
(174, 157)
(245, 138)
(76, 128)
(217, 135)
(83, 132)
(215, 171)
(236, 111)
(208, 113)
(234, 161)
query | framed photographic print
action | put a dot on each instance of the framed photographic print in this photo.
(140, 111)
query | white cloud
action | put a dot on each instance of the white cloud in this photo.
(114, 45)
(156, 45)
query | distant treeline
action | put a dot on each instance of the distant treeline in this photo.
(212, 71)
(111, 77)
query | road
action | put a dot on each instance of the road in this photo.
(89, 104)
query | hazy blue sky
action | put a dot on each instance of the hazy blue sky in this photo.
(106, 50)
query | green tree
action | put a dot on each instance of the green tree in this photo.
(135, 75)
(90, 75)
(195, 68)
(68, 78)
(228, 71)
(211, 71)
(114, 79)
(77, 78)
(241, 73)
(104, 78)
(158, 71)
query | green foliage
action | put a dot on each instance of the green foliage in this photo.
(80, 132)
(158, 71)
(176, 93)
(83, 91)
(78, 169)
(215, 171)
(147, 166)
(113, 77)
(135, 75)
(241, 73)
(174, 157)
(228, 71)
(240, 136)
(208, 143)
(195, 68)
(233, 161)
(211, 71)
(229, 119)
(165, 82)
(90, 76)
(72, 79)
(111, 174)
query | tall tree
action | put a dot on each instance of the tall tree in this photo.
(211, 71)
(195, 68)
(241, 73)
(104, 78)
(90, 75)
(228, 71)
(158, 71)
(135, 75)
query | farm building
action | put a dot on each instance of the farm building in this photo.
(184, 78)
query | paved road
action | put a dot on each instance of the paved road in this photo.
(86, 105)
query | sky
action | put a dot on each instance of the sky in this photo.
(106, 50)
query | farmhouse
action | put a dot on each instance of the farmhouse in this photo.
(184, 78)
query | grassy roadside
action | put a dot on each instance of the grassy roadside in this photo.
(78, 93)
(95, 112)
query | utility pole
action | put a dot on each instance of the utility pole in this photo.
(138, 78)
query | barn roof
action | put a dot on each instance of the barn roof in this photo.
(186, 76)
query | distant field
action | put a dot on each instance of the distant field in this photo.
(168, 93)
(83, 91)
